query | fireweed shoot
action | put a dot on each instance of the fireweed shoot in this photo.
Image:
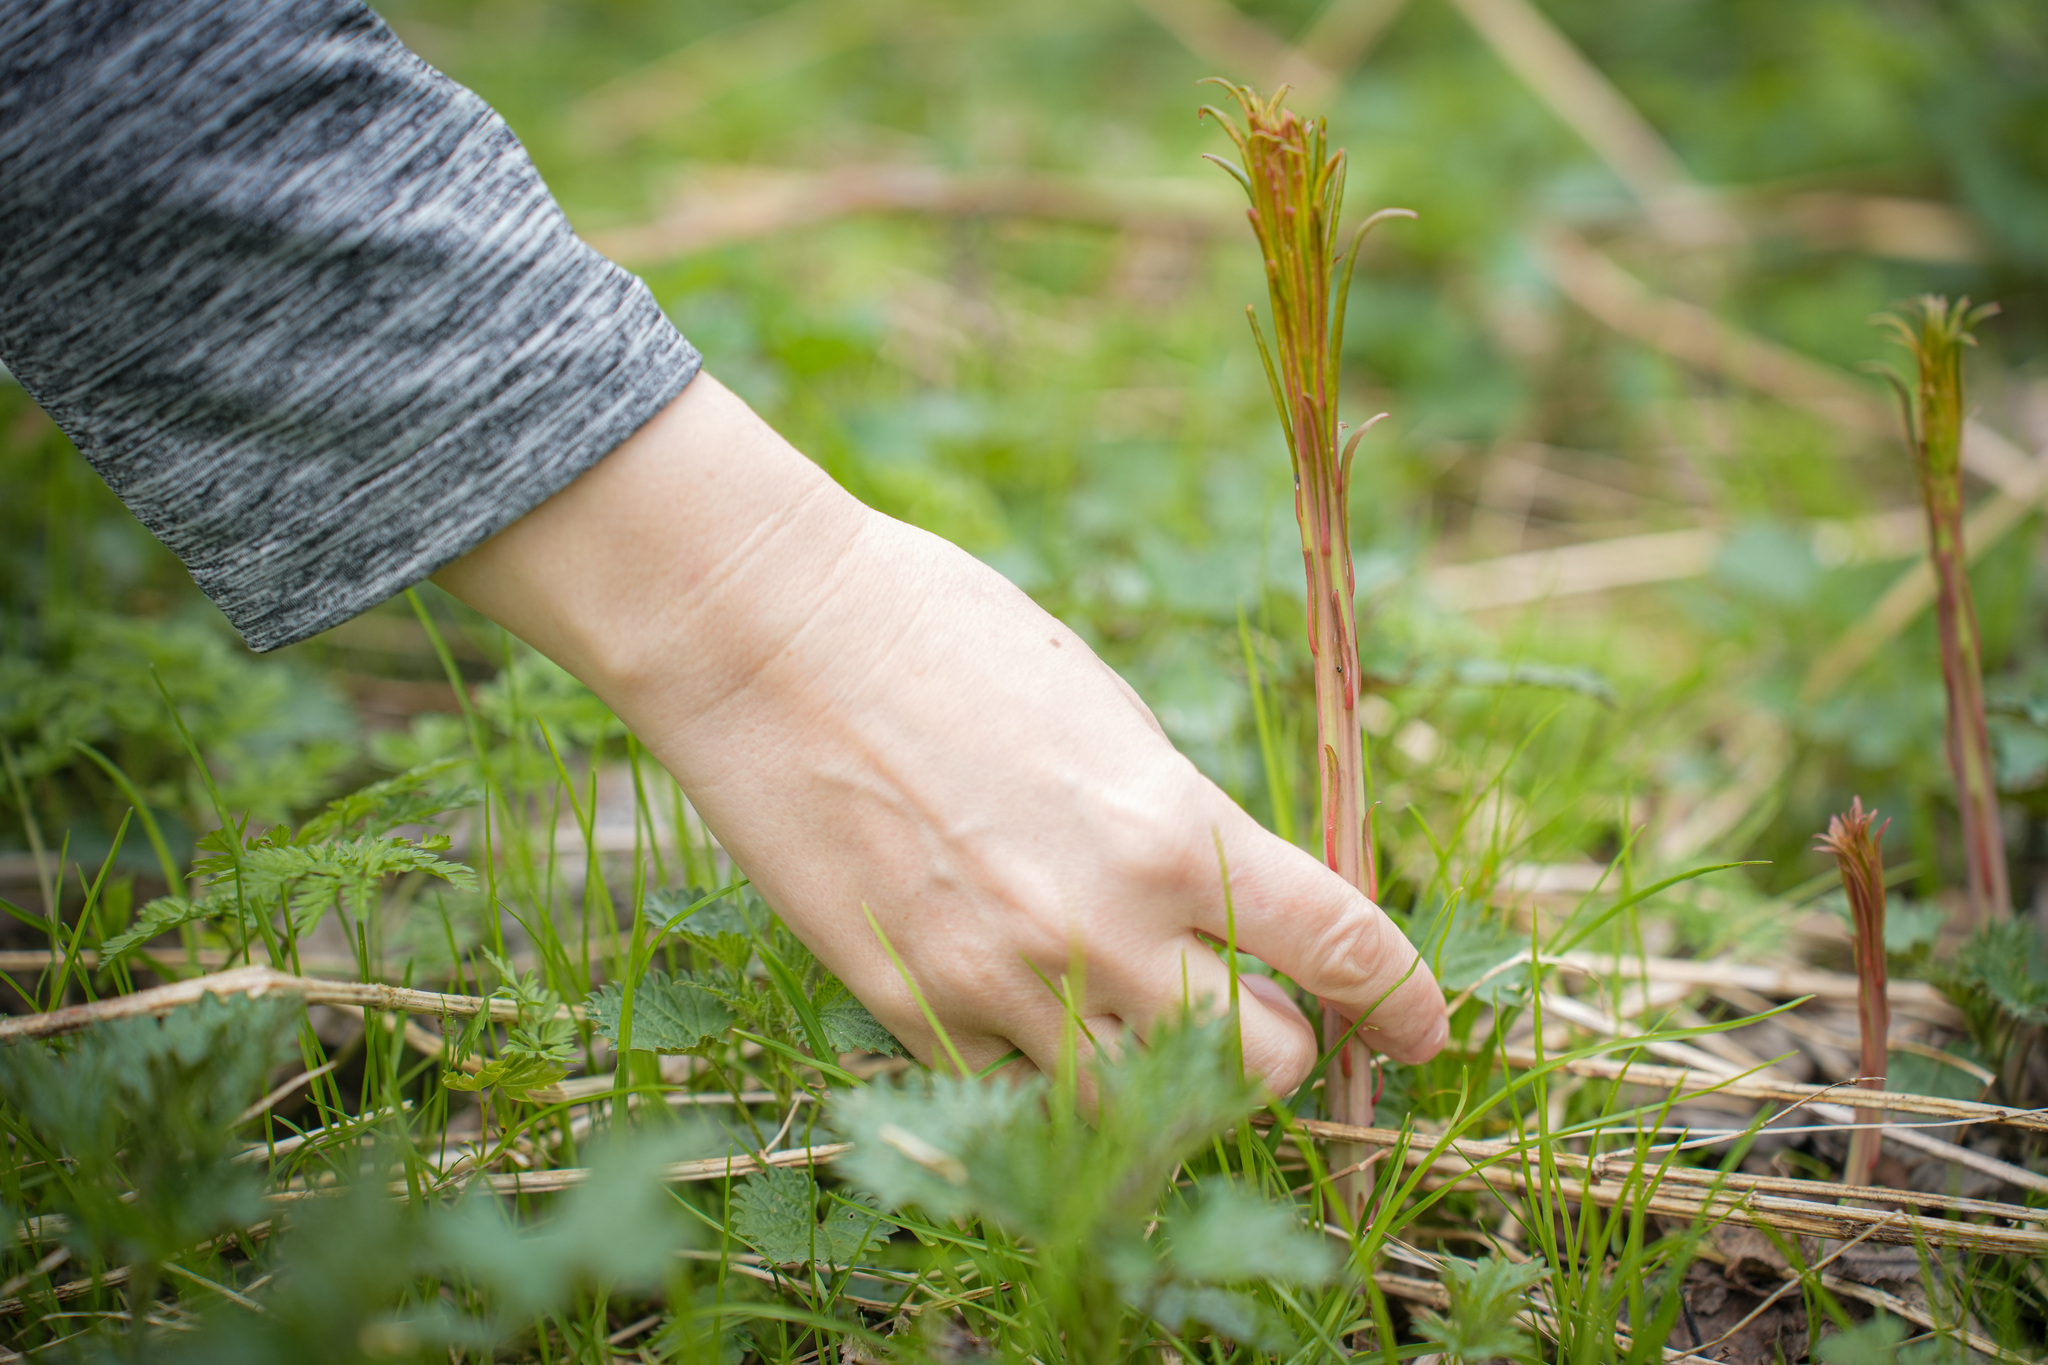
(1296, 187)
(507, 1061)
(1858, 851)
(1936, 331)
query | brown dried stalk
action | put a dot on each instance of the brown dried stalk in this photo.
(1514, 1164)
(1296, 187)
(1857, 852)
(1934, 430)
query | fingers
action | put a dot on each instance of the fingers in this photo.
(985, 1054)
(1279, 1046)
(1279, 1041)
(1303, 919)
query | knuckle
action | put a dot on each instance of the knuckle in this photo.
(1349, 950)
(1165, 851)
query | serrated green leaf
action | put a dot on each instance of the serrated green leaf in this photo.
(957, 1146)
(1237, 1316)
(512, 1075)
(1474, 946)
(2007, 962)
(1485, 1296)
(738, 914)
(670, 1013)
(776, 1213)
(1232, 1236)
(850, 1026)
(726, 928)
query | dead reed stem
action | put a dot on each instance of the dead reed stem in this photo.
(1688, 1081)
(257, 982)
(1495, 1163)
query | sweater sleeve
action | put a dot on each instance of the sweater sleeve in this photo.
(302, 301)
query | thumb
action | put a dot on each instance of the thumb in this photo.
(1303, 919)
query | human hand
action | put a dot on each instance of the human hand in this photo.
(866, 716)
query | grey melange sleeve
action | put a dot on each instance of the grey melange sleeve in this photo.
(301, 300)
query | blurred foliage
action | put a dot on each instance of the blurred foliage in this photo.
(1079, 406)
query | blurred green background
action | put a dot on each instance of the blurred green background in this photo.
(1632, 494)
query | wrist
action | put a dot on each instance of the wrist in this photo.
(670, 574)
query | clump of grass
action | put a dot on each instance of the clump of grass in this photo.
(1857, 851)
(1296, 186)
(1935, 331)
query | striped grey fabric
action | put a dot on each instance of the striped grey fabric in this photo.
(302, 300)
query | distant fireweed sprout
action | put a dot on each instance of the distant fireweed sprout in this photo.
(1296, 186)
(1856, 848)
(1934, 430)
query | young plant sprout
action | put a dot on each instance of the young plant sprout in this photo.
(1856, 848)
(1936, 334)
(1296, 186)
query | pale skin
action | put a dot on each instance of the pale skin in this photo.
(870, 720)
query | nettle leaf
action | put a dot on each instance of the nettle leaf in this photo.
(957, 1146)
(776, 1213)
(1473, 946)
(1909, 927)
(1237, 1316)
(2009, 963)
(1485, 1296)
(670, 1013)
(944, 1143)
(849, 1025)
(1231, 1236)
(726, 929)
(512, 1075)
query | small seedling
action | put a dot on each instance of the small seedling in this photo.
(1296, 187)
(1856, 848)
(1933, 410)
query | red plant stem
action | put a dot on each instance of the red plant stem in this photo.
(1934, 429)
(1859, 854)
(1296, 189)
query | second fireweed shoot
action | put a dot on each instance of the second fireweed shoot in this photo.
(1936, 331)
(1296, 186)
(1857, 851)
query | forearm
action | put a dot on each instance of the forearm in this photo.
(669, 575)
(301, 300)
